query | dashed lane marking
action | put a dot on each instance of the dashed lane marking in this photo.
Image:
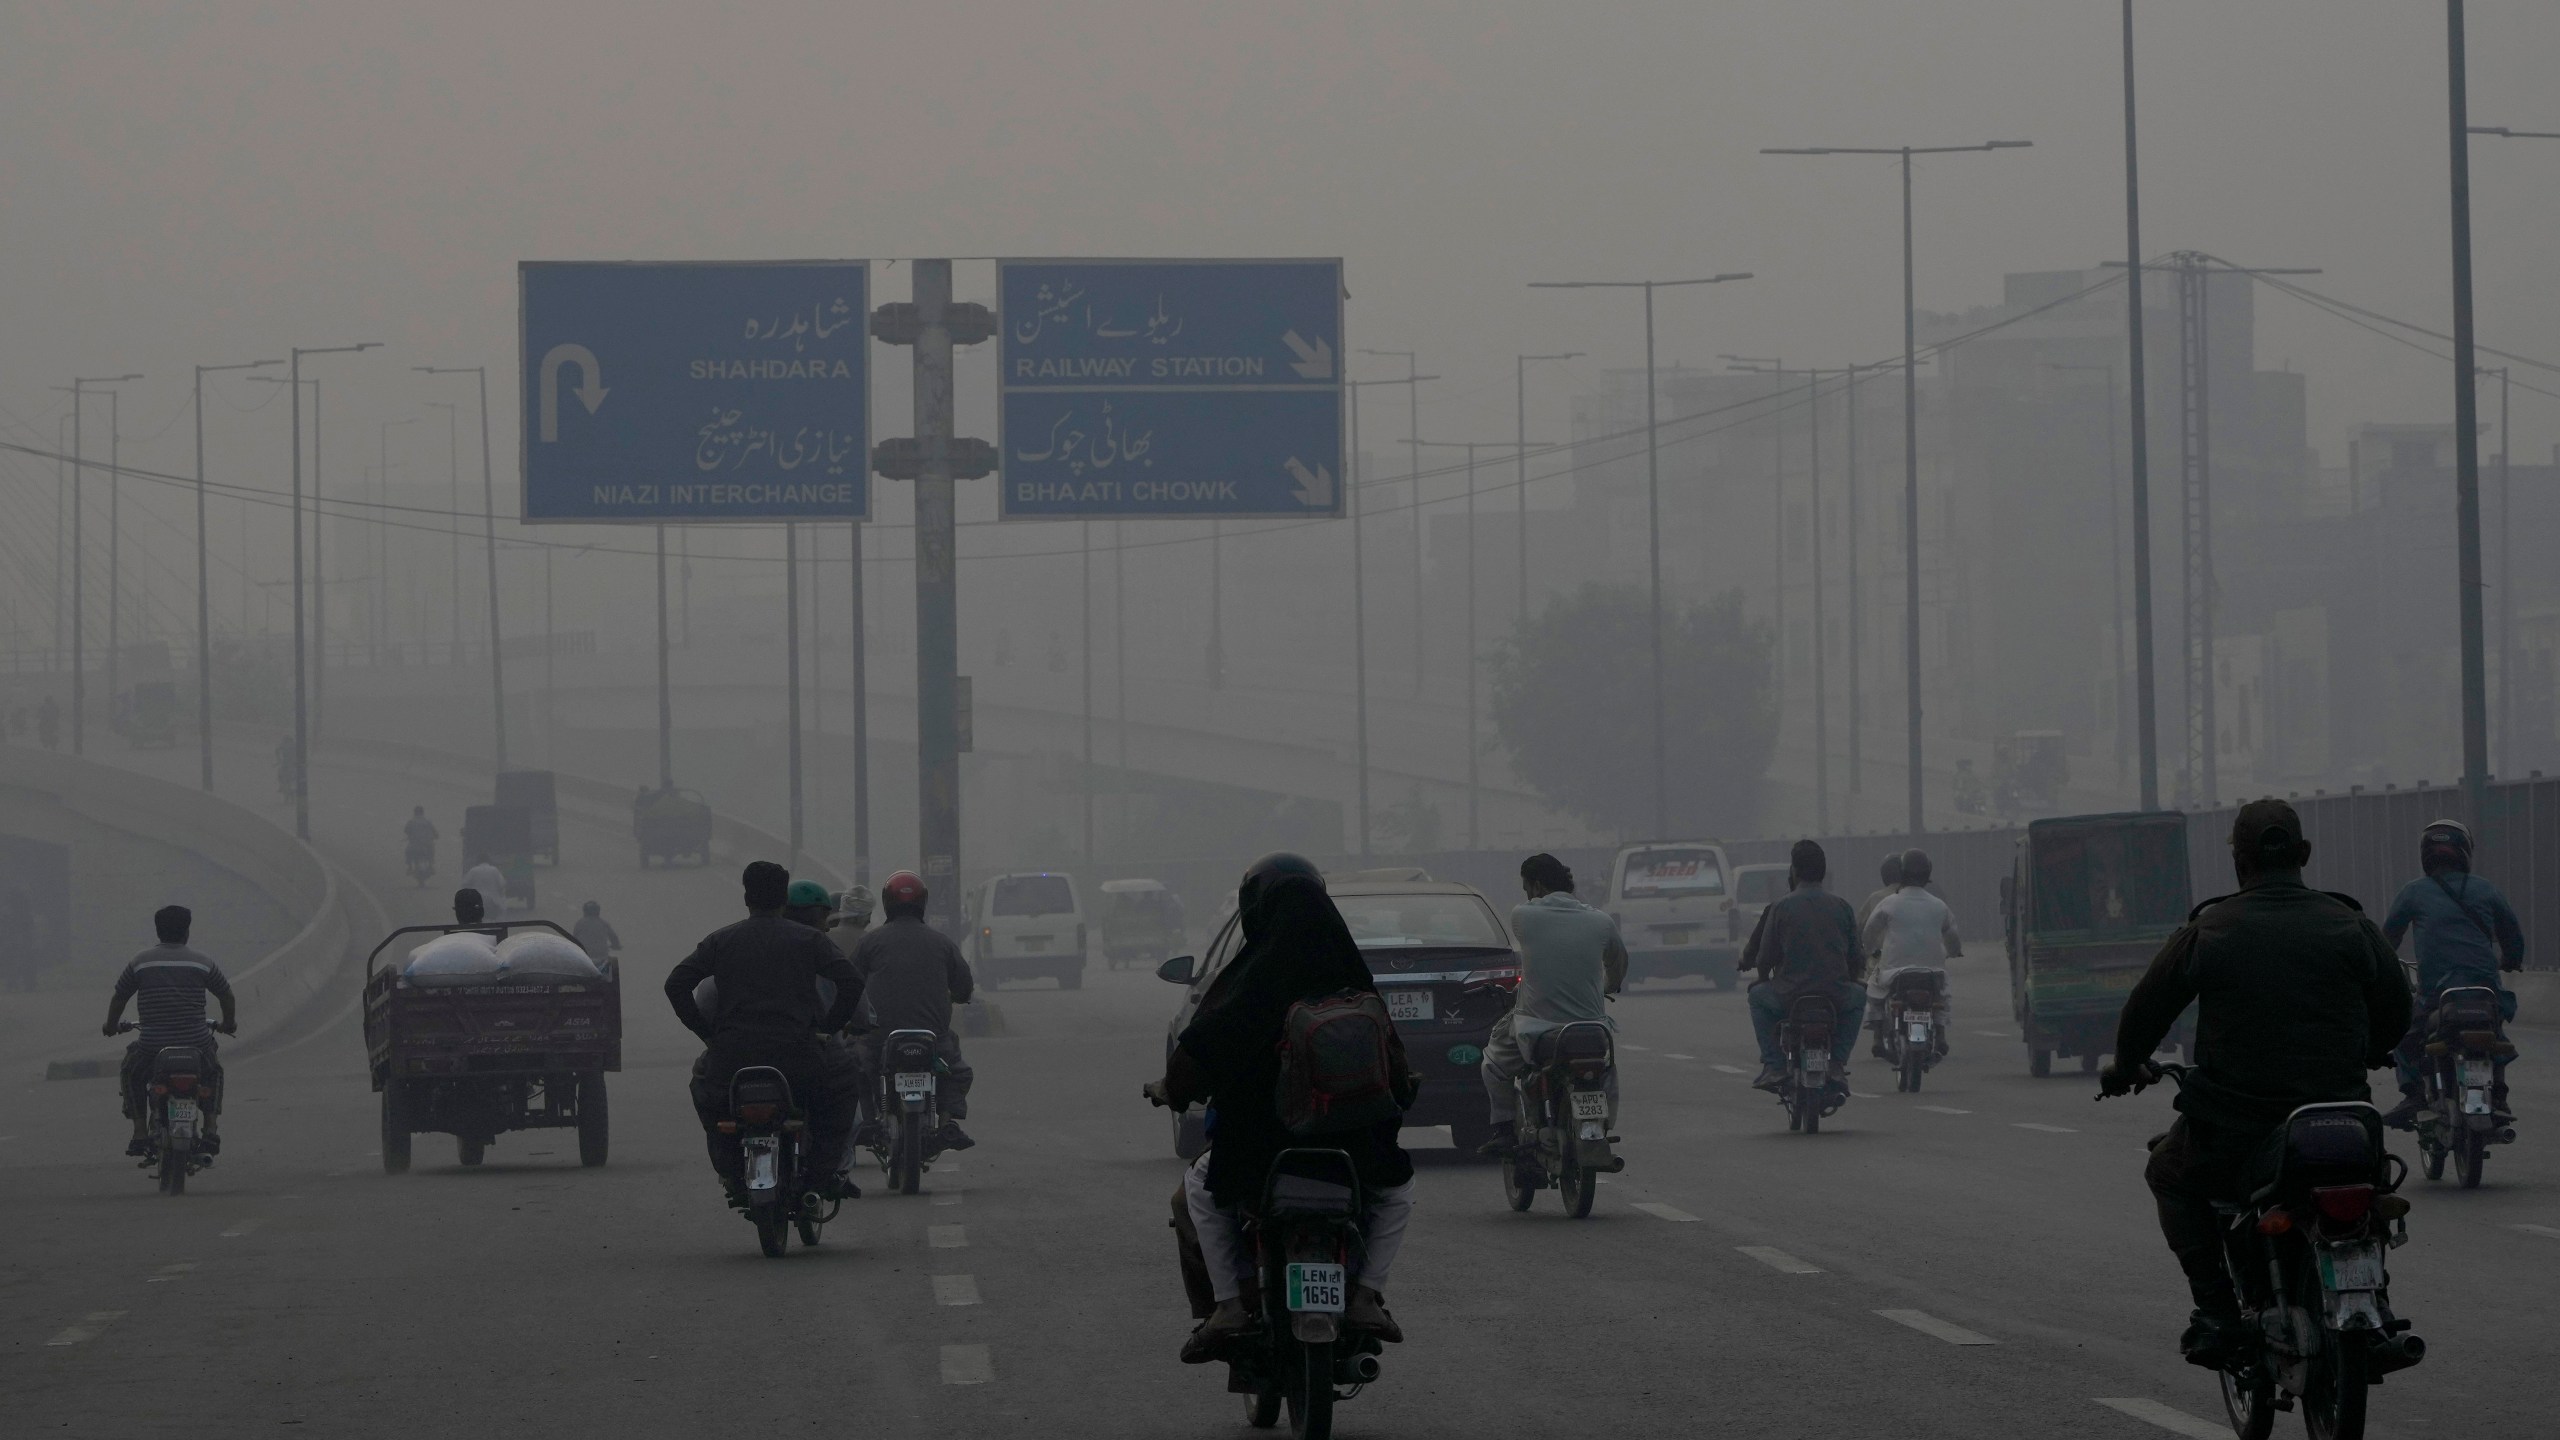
(1631, 1045)
(244, 1227)
(2544, 1231)
(1675, 1055)
(2176, 1422)
(967, 1365)
(1728, 1069)
(955, 1289)
(172, 1272)
(1995, 1034)
(2048, 1129)
(948, 1197)
(88, 1328)
(1661, 1211)
(1928, 1324)
(946, 1237)
(1778, 1260)
(1863, 1095)
(1942, 1109)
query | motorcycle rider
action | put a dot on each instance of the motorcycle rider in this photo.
(490, 881)
(1911, 929)
(2467, 933)
(1891, 871)
(851, 919)
(169, 983)
(1296, 947)
(595, 935)
(912, 975)
(2297, 995)
(1806, 942)
(768, 968)
(421, 835)
(1571, 962)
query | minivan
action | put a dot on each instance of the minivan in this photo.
(1026, 926)
(1674, 910)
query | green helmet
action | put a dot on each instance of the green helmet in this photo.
(807, 892)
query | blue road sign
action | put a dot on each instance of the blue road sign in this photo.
(696, 391)
(1173, 388)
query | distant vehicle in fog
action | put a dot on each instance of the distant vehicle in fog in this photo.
(2090, 900)
(1141, 922)
(1754, 886)
(1674, 910)
(1026, 927)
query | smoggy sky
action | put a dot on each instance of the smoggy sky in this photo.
(213, 182)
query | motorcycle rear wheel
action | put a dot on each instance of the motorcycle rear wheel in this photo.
(1578, 1187)
(1262, 1407)
(2470, 1155)
(2249, 1398)
(909, 1176)
(1311, 1393)
(1913, 1063)
(173, 1170)
(1519, 1182)
(773, 1231)
(1795, 1110)
(2333, 1407)
(2433, 1157)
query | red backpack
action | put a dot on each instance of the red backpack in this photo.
(1337, 1065)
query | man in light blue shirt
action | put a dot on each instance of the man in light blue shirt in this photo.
(1571, 961)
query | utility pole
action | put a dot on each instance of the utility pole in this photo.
(79, 556)
(935, 459)
(1821, 641)
(861, 724)
(791, 684)
(1520, 440)
(489, 534)
(2506, 755)
(1475, 790)
(1857, 666)
(2138, 438)
(453, 524)
(2115, 553)
(115, 548)
(1910, 441)
(302, 706)
(1355, 499)
(1653, 509)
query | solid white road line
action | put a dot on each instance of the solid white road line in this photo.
(955, 1289)
(2048, 1129)
(2544, 1231)
(2176, 1422)
(1942, 1109)
(172, 1272)
(1778, 1260)
(1928, 1324)
(967, 1365)
(244, 1227)
(1729, 1069)
(946, 1237)
(1661, 1211)
(88, 1328)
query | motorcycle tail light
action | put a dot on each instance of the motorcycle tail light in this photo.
(158, 1089)
(182, 1084)
(727, 1127)
(759, 1113)
(2345, 1204)
(2275, 1222)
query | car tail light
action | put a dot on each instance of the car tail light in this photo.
(2345, 1204)
(758, 1113)
(1505, 978)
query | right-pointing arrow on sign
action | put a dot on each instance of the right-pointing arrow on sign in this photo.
(1314, 362)
(1315, 487)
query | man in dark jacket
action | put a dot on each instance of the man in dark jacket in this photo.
(912, 975)
(1806, 943)
(768, 969)
(2296, 996)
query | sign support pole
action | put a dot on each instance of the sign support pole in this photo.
(666, 711)
(861, 729)
(791, 686)
(937, 600)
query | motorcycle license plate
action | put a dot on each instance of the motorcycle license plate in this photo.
(1409, 1002)
(764, 1162)
(1917, 1032)
(2351, 1267)
(1590, 1105)
(2475, 1102)
(1315, 1289)
(1815, 1062)
(2476, 1073)
(913, 1086)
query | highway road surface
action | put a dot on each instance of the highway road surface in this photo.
(1978, 1260)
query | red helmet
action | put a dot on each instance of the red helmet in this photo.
(904, 890)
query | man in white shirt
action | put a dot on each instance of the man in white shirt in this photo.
(490, 881)
(1911, 929)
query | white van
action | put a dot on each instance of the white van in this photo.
(1022, 927)
(1674, 909)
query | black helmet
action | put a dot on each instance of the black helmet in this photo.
(1891, 870)
(1915, 867)
(2446, 843)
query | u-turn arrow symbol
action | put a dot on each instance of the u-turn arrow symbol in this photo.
(591, 391)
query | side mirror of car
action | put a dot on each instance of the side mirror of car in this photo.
(1179, 970)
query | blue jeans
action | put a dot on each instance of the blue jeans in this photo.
(1769, 1012)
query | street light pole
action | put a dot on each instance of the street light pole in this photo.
(79, 578)
(203, 582)
(2138, 444)
(1910, 438)
(1653, 507)
(1360, 600)
(1520, 424)
(489, 532)
(1474, 791)
(453, 526)
(301, 641)
(1413, 487)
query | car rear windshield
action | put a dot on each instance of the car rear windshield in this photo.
(2127, 877)
(1759, 887)
(1671, 874)
(1034, 895)
(1386, 922)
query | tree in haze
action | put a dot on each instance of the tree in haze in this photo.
(1573, 704)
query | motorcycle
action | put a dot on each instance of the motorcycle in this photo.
(2306, 1255)
(1304, 1234)
(174, 1099)
(1805, 1039)
(2463, 1051)
(773, 1142)
(421, 861)
(1560, 1111)
(1910, 1025)
(905, 1100)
